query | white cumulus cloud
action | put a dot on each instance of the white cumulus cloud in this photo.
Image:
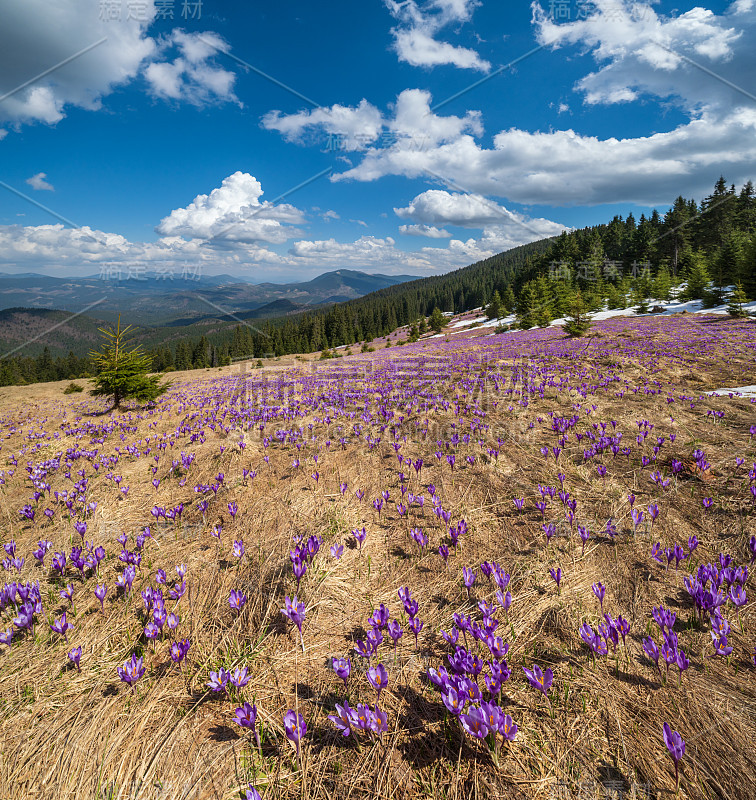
(348, 128)
(233, 212)
(74, 53)
(39, 183)
(193, 76)
(641, 52)
(436, 207)
(429, 231)
(415, 35)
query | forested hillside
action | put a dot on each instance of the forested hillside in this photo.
(710, 245)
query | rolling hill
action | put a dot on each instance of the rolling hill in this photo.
(160, 299)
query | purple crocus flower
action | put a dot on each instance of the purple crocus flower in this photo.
(132, 670)
(179, 650)
(218, 680)
(344, 718)
(652, 651)
(178, 591)
(75, 657)
(507, 727)
(721, 646)
(299, 568)
(380, 617)
(556, 574)
(100, 593)
(394, 631)
(343, 668)
(676, 746)
(61, 626)
(67, 593)
(585, 534)
(337, 550)
(504, 600)
(151, 630)
(360, 536)
(600, 591)
(378, 678)
(637, 517)
(738, 596)
(468, 576)
(239, 678)
(377, 720)
(453, 700)
(295, 728)
(295, 611)
(246, 716)
(539, 679)
(682, 662)
(474, 722)
(364, 649)
(415, 625)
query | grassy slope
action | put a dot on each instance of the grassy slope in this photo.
(82, 735)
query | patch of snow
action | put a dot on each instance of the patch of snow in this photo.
(492, 323)
(671, 307)
(462, 322)
(738, 391)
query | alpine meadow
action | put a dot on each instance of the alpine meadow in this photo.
(377, 400)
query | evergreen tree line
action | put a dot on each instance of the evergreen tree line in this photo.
(19, 370)
(710, 245)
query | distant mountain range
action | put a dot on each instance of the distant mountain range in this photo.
(183, 298)
(36, 310)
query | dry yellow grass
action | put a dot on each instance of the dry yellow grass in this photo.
(66, 735)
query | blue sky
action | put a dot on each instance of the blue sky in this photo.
(163, 145)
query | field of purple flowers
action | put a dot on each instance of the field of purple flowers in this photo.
(507, 566)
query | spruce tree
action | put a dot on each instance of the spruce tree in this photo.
(495, 308)
(698, 278)
(545, 302)
(729, 260)
(437, 320)
(748, 270)
(662, 284)
(122, 372)
(509, 300)
(737, 301)
(579, 321)
(527, 306)
(640, 292)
